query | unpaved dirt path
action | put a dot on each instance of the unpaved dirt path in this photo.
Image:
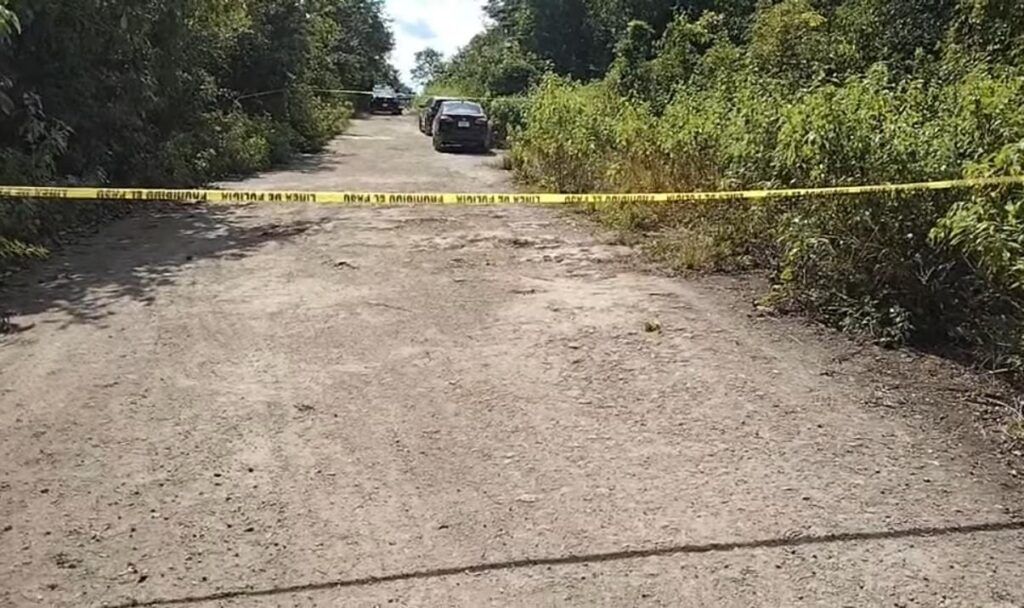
(302, 406)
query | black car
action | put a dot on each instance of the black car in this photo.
(429, 113)
(463, 124)
(385, 104)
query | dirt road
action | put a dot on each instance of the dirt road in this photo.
(301, 406)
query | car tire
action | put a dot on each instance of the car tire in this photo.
(438, 144)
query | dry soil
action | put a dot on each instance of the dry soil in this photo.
(321, 406)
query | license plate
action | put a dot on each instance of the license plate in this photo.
(463, 124)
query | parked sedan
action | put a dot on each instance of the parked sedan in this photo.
(463, 124)
(429, 113)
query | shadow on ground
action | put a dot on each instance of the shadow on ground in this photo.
(131, 258)
(305, 164)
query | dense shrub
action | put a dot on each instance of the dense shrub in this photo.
(670, 95)
(170, 92)
(927, 267)
(569, 136)
(315, 120)
(508, 117)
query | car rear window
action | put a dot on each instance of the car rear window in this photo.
(461, 107)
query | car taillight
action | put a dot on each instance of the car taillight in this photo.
(447, 119)
(481, 121)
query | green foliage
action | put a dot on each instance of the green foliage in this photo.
(630, 75)
(569, 135)
(788, 40)
(508, 117)
(870, 31)
(680, 50)
(994, 28)
(172, 92)
(315, 119)
(429, 65)
(814, 95)
(223, 144)
(988, 228)
(565, 33)
(578, 38)
(489, 66)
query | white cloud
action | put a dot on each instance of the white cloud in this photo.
(445, 25)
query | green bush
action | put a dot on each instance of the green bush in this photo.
(789, 40)
(155, 93)
(569, 138)
(283, 140)
(508, 117)
(222, 145)
(315, 119)
(988, 227)
(865, 263)
(923, 267)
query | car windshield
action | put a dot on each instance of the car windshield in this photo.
(461, 107)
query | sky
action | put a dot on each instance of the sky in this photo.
(444, 25)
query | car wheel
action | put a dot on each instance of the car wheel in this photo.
(438, 144)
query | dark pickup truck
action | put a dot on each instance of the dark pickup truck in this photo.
(385, 104)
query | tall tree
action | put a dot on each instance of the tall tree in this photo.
(429, 65)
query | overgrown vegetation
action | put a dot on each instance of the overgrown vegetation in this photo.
(170, 93)
(667, 95)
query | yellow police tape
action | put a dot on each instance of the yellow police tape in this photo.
(386, 198)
